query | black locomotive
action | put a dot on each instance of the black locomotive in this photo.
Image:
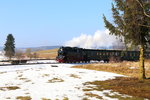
(74, 54)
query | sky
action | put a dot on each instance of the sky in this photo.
(51, 22)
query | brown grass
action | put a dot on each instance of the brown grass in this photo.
(93, 95)
(74, 76)
(24, 79)
(124, 68)
(54, 80)
(45, 99)
(24, 98)
(124, 85)
(45, 75)
(48, 54)
(2, 72)
(9, 88)
(130, 86)
(65, 98)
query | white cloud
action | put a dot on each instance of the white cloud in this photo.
(98, 39)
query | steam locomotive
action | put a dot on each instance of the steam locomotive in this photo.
(74, 55)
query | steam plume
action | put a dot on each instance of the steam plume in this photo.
(97, 40)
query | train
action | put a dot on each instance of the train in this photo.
(75, 54)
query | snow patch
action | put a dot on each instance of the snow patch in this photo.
(34, 81)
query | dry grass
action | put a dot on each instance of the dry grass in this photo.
(124, 85)
(65, 98)
(24, 98)
(120, 97)
(124, 68)
(45, 75)
(74, 76)
(130, 86)
(85, 99)
(25, 79)
(48, 54)
(54, 80)
(9, 88)
(45, 99)
(2, 72)
(93, 95)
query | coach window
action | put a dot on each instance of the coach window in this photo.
(112, 53)
(131, 54)
(107, 53)
(117, 54)
(102, 53)
(91, 53)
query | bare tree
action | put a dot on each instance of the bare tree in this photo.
(35, 55)
(19, 54)
(28, 53)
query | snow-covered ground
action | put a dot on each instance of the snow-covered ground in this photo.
(49, 81)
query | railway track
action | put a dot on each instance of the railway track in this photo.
(27, 64)
(34, 62)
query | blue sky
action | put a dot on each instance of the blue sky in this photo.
(50, 22)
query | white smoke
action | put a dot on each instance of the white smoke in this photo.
(99, 39)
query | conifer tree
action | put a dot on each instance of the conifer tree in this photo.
(131, 23)
(9, 47)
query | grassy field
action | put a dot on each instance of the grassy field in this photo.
(125, 68)
(48, 54)
(124, 85)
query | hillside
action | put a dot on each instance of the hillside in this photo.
(49, 54)
(34, 49)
